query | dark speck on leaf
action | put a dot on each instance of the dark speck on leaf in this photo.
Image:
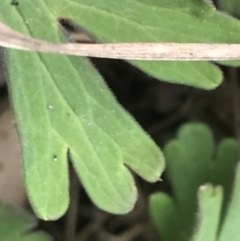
(54, 157)
(14, 2)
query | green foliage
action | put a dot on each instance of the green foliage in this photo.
(208, 218)
(230, 227)
(59, 109)
(137, 21)
(17, 224)
(61, 103)
(192, 161)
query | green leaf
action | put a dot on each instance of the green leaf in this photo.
(230, 227)
(17, 224)
(193, 161)
(190, 158)
(149, 21)
(62, 104)
(158, 21)
(166, 217)
(144, 21)
(210, 202)
(153, 21)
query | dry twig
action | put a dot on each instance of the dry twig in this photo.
(10, 38)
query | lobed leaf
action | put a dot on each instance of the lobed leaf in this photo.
(192, 160)
(62, 105)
